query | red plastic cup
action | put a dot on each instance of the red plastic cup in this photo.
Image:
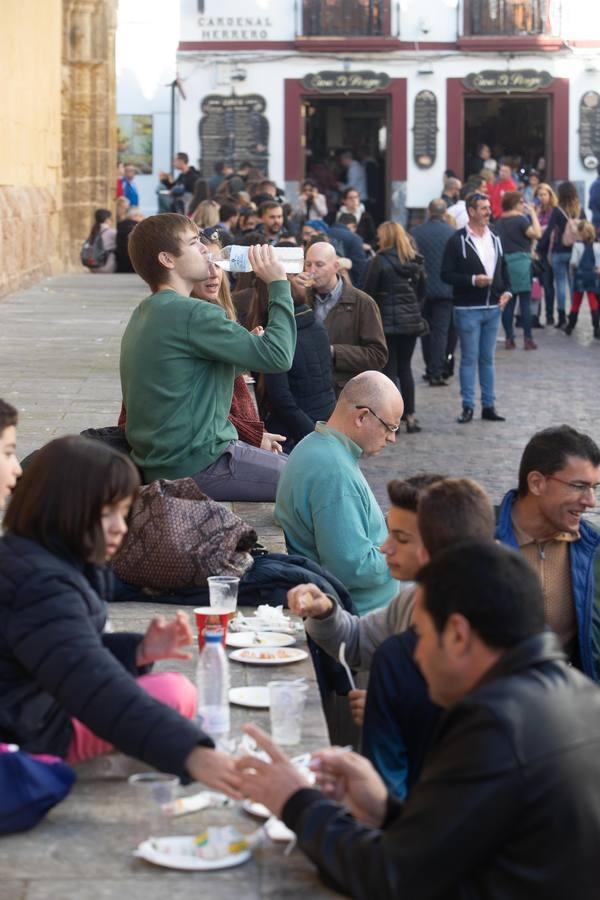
(209, 617)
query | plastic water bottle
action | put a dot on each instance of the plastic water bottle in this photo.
(234, 258)
(212, 681)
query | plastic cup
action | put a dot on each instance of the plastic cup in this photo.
(209, 617)
(223, 592)
(286, 705)
(153, 793)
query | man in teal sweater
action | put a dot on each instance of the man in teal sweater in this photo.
(324, 504)
(179, 359)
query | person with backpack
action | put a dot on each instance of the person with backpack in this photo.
(557, 241)
(99, 251)
(585, 272)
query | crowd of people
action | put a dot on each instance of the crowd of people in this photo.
(478, 628)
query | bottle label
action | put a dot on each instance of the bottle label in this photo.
(238, 259)
(214, 719)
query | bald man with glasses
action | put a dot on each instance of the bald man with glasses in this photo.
(559, 481)
(325, 506)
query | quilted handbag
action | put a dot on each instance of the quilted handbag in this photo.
(178, 537)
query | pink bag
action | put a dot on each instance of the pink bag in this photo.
(536, 289)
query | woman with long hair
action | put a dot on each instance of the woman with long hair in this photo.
(206, 214)
(103, 227)
(557, 241)
(69, 687)
(517, 227)
(396, 281)
(545, 199)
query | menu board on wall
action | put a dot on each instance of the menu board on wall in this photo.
(425, 129)
(234, 129)
(589, 129)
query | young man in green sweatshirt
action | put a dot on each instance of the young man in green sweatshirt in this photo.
(179, 359)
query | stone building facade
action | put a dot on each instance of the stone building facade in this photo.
(57, 156)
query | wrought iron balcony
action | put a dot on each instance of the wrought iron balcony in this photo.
(514, 18)
(345, 18)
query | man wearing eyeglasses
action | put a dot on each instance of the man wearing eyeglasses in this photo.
(475, 266)
(559, 481)
(324, 505)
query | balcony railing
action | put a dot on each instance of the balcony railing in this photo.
(490, 18)
(345, 18)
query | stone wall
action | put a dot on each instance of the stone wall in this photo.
(58, 122)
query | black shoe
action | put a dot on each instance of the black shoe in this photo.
(438, 382)
(426, 377)
(465, 416)
(535, 322)
(489, 413)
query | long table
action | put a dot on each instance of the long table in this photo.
(82, 850)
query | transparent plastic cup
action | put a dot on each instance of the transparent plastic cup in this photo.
(223, 592)
(286, 706)
(154, 795)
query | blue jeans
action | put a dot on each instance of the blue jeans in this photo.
(508, 312)
(562, 276)
(477, 331)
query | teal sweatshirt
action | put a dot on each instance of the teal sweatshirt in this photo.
(179, 359)
(329, 514)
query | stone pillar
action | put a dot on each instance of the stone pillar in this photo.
(89, 141)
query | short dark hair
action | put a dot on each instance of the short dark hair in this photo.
(348, 190)
(474, 198)
(308, 182)
(510, 200)
(154, 235)
(548, 450)
(58, 500)
(267, 205)
(8, 416)
(405, 493)
(491, 585)
(454, 509)
(347, 219)
(183, 157)
(227, 211)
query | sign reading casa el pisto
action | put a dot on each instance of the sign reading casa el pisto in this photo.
(505, 82)
(345, 82)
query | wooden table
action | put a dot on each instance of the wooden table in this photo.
(82, 850)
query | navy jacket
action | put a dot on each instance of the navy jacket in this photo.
(431, 238)
(584, 557)
(461, 262)
(353, 249)
(57, 664)
(297, 399)
(398, 289)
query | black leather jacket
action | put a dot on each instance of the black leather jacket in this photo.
(507, 806)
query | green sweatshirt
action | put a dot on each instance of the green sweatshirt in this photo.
(179, 359)
(329, 514)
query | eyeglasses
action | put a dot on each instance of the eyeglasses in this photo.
(391, 428)
(579, 487)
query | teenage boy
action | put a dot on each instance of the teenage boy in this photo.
(10, 470)
(179, 359)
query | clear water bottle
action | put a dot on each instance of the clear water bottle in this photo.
(234, 258)
(212, 681)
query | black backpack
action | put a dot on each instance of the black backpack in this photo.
(92, 253)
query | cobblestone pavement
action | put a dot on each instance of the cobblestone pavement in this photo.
(59, 355)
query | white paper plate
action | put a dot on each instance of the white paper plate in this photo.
(177, 853)
(253, 697)
(261, 656)
(256, 809)
(265, 639)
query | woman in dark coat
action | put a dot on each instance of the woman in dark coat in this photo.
(291, 403)
(396, 281)
(67, 686)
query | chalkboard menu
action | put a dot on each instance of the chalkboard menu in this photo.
(234, 129)
(589, 129)
(425, 129)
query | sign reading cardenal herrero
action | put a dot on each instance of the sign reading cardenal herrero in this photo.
(346, 82)
(506, 82)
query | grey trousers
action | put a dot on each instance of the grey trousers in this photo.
(243, 472)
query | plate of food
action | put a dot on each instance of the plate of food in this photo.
(268, 656)
(252, 697)
(259, 639)
(215, 848)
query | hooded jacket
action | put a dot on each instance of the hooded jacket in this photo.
(461, 262)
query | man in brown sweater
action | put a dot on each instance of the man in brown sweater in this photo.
(351, 317)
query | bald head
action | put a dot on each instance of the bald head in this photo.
(368, 411)
(323, 264)
(437, 209)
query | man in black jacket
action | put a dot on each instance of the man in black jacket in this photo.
(475, 266)
(508, 803)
